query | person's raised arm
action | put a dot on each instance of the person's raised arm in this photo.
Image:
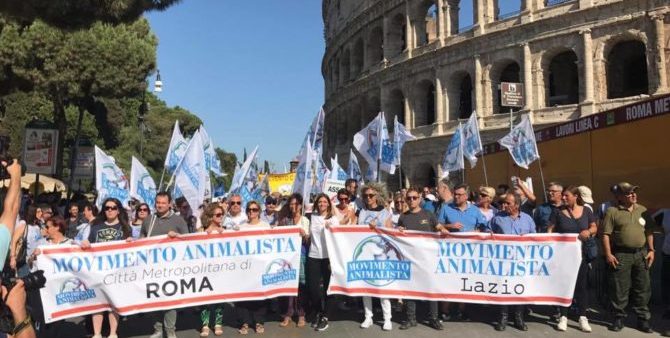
(12, 200)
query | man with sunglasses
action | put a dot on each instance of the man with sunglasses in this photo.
(542, 212)
(628, 245)
(417, 218)
(164, 222)
(235, 217)
(269, 215)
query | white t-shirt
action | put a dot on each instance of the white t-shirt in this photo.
(230, 222)
(317, 230)
(260, 225)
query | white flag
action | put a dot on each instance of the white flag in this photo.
(521, 143)
(472, 142)
(142, 185)
(241, 174)
(305, 176)
(453, 157)
(110, 182)
(315, 133)
(400, 136)
(337, 173)
(374, 144)
(211, 158)
(354, 168)
(176, 150)
(190, 174)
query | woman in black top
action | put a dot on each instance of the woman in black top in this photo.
(110, 225)
(574, 218)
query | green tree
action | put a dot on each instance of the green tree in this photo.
(90, 69)
(81, 13)
(228, 163)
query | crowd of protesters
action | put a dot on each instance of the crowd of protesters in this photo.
(622, 226)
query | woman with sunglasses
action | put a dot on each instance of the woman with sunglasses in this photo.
(252, 312)
(142, 212)
(375, 214)
(296, 305)
(344, 211)
(110, 225)
(212, 219)
(399, 208)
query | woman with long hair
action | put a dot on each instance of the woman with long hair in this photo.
(399, 207)
(252, 312)
(110, 225)
(295, 306)
(573, 217)
(318, 264)
(212, 221)
(344, 211)
(142, 212)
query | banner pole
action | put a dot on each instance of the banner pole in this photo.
(379, 174)
(539, 163)
(399, 175)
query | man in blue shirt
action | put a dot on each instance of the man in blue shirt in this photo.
(512, 222)
(542, 212)
(460, 216)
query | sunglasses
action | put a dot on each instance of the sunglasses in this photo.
(253, 210)
(270, 203)
(235, 202)
(370, 195)
(111, 207)
(343, 199)
(218, 214)
(399, 201)
(412, 198)
(143, 209)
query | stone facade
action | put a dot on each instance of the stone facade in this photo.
(412, 59)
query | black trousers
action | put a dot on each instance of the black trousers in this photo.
(318, 272)
(251, 312)
(581, 295)
(665, 280)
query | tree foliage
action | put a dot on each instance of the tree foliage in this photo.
(72, 14)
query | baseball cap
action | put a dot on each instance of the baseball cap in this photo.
(586, 194)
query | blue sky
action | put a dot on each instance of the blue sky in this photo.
(251, 70)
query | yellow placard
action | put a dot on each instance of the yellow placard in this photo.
(283, 183)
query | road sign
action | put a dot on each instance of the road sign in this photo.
(511, 94)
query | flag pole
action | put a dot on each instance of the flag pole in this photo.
(486, 176)
(539, 163)
(160, 185)
(399, 174)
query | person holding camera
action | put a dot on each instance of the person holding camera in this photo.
(14, 296)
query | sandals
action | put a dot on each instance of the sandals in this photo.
(204, 332)
(260, 329)
(244, 330)
(218, 330)
(285, 322)
(301, 322)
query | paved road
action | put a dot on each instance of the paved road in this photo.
(346, 323)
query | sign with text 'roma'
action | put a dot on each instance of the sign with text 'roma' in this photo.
(473, 268)
(162, 273)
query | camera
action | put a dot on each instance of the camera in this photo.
(3, 170)
(32, 281)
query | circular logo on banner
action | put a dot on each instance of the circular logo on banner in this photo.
(378, 262)
(278, 271)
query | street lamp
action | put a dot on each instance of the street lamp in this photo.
(158, 84)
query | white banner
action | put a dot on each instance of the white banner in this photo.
(467, 267)
(160, 273)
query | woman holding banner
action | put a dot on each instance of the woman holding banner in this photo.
(142, 212)
(375, 214)
(399, 208)
(574, 218)
(110, 225)
(295, 306)
(212, 219)
(252, 312)
(318, 264)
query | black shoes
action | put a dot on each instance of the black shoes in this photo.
(322, 324)
(408, 324)
(502, 322)
(435, 324)
(519, 323)
(617, 325)
(643, 326)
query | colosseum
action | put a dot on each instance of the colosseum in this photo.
(413, 59)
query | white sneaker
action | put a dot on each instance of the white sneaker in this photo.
(584, 324)
(562, 323)
(387, 326)
(156, 334)
(366, 323)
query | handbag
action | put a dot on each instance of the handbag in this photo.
(589, 246)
